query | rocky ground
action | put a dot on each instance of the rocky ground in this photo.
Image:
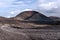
(12, 34)
(8, 33)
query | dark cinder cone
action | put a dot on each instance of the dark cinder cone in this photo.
(32, 19)
(33, 16)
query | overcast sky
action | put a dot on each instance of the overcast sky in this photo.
(10, 8)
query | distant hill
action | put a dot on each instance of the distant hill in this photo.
(2, 19)
(55, 18)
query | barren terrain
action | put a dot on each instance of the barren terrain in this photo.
(8, 33)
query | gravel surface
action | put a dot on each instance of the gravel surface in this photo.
(11, 34)
(8, 33)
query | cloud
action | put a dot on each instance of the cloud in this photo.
(19, 2)
(48, 5)
(19, 11)
(8, 16)
(13, 7)
(5, 3)
(15, 12)
(27, 1)
(12, 13)
(1, 4)
(11, 3)
(9, 6)
(27, 10)
(41, 1)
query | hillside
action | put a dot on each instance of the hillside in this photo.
(32, 16)
(28, 19)
(55, 18)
